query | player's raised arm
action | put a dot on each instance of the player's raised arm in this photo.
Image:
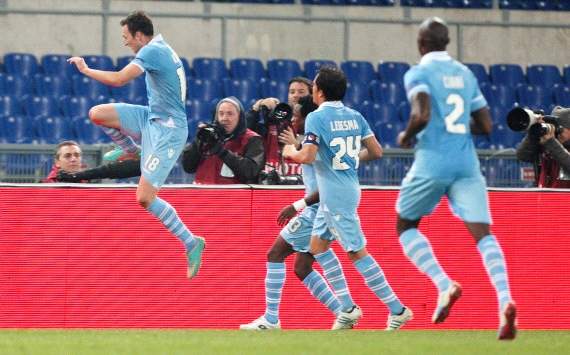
(111, 78)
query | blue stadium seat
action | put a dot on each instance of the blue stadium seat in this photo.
(10, 106)
(387, 133)
(187, 69)
(312, 66)
(205, 89)
(482, 142)
(40, 106)
(566, 73)
(479, 71)
(274, 88)
(562, 95)
(130, 92)
(22, 64)
(393, 72)
(56, 64)
(16, 129)
(247, 68)
(370, 2)
(53, 129)
(543, 75)
(210, 68)
(358, 71)
(506, 74)
(52, 85)
(535, 96)
(385, 113)
(499, 95)
(245, 90)
(74, 106)
(404, 110)
(86, 132)
(356, 92)
(16, 85)
(366, 110)
(100, 62)
(123, 61)
(389, 93)
(200, 110)
(85, 86)
(283, 69)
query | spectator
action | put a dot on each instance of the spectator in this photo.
(68, 156)
(226, 151)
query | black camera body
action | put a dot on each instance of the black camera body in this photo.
(280, 116)
(211, 134)
(273, 177)
(520, 119)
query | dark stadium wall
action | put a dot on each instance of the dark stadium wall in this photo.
(92, 258)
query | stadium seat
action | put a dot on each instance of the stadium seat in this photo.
(205, 89)
(358, 71)
(9, 106)
(404, 110)
(387, 133)
(52, 85)
(86, 132)
(130, 92)
(187, 69)
(506, 74)
(479, 71)
(385, 113)
(247, 68)
(535, 97)
(274, 88)
(245, 90)
(53, 129)
(200, 110)
(499, 95)
(21, 64)
(482, 142)
(209, 68)
(100, 62)
(16, 85)
(40, 106)
(389, 93)
(566, 73)
(16, 129)
(562, 95)
(124, 61)
(283, 69)
(392, 72)
(56, 64)
(85, 86)
(312, 66)
(543, 75)
(74, 106)
(356, 92)
(366, 110)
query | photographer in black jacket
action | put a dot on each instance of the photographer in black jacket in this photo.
(226, 151)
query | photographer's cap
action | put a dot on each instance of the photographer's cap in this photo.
(563, 116)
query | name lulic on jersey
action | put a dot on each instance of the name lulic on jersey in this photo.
(453, 82)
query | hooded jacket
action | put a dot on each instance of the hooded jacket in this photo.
(239, 161)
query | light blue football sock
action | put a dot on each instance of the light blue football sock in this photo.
(418, 249)
(494, 262)
(125, 142)
(377, 283)
(169, 218)
(335, 276)
(274, 281)
(319, 288)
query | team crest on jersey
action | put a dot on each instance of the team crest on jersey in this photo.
(311, 138)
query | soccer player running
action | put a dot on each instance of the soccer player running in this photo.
(161, 127)
(444, 95)
(333, 138)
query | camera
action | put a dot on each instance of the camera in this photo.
(520, 119)
(280, 116)
(211, 134)
(273, 177)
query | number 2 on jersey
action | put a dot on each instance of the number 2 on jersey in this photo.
(346, 146)
(458, 108)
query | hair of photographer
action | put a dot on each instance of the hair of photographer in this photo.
(550, 154)
(236, 157)
(67, 156)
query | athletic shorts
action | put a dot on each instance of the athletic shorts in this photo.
(343, 227)
(298, 231)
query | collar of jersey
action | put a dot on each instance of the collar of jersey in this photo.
(431, 56)
(156, 38)
(335, 104)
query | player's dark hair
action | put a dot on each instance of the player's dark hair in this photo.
(138, 21)
(332, 82)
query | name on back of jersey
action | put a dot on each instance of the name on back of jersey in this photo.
(344, 125)
(453, 82)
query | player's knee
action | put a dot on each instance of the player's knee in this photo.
(95, 115)
(302, 270)
(403, 225)
(275, 256)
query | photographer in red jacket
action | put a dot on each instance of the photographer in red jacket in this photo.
(225, 151)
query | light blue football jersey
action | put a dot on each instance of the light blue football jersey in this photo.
(445, 147)
(338, 132)
(165, 80)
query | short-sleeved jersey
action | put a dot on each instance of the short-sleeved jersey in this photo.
(165, 80)
(445, 147)
(338, 132)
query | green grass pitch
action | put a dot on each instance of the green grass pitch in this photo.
(157, 341)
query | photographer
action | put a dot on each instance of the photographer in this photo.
(226, 151)
(548, 148)
(261, 118)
